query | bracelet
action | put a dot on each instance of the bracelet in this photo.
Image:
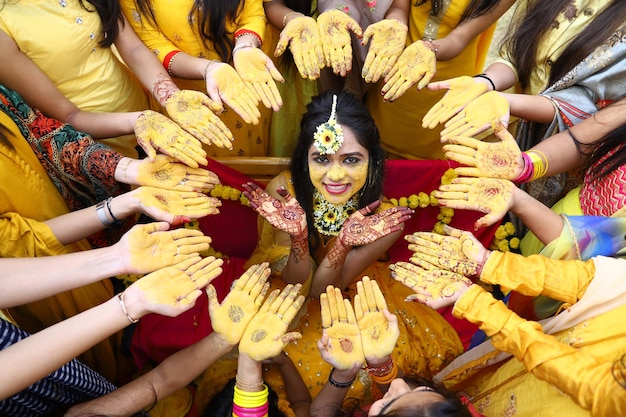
(540, 164)
(382, 370)
(250, 399)
(246, 386)
(243, 32)
(241, 46)
(432, 46)
(386, 379)
(486, 77)
(120, 298)
(285, 17)
(117, 223)
(102, 215)
(527, 172)
(213, 61)
(337, 384)
(261, 411)
(169, 58)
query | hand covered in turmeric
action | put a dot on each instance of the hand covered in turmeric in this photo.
(340, 344)
(303, 38)
(155, 132)
(194, 112)
(461, 91)
(487, 195)
(224, 84)
(231, 318)
(435, 288)
(417, 64)
(266, 335)
(175, 207)
(165, 172)
(501, 159)
(259, 72)
(148, 247)
(479, 115)
(378, 327)
(334, 28)
(388, 38)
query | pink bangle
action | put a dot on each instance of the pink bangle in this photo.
(261, 411)
(527, 172)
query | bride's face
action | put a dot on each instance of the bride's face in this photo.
(341, 175)
(401, 395)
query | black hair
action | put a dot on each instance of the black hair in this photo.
(474, 9)
(611, 144)
(221, 405)
(539, 17)
(450, 406)
(211, 19)
(350, 112)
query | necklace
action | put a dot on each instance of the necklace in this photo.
(328, 218)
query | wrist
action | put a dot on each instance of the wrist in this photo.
(342, 378)
(121, 170)
(130, 305)
(288, 17)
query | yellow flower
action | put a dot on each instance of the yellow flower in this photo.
(393, 201)
(503, 246)
(514, 243)
(510, 228)
(404, 202)
(501, 233)
(447, 211)
(330, 216)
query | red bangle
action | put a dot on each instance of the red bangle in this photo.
(242, 32)
(167, 61)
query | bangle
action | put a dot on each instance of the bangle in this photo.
(250, 399)
(169, 58)
(386, 379)
(117, 223)
(247, 387)
(243, 32)
(540, 164)
(261, 411)
(241, 46)
(120, 298)
(285, 17)
(486, 77)
(382, 370)
(337, 384)
(432, 46)
(527, 172)
(102, 215)
(213, 61)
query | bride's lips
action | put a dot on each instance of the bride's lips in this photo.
(336, 188)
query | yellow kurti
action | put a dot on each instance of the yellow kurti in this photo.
(427, 341)
(61, 38)
(23, 233)
(566, 373)
(400, 122)
(175, 33)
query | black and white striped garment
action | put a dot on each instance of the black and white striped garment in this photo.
(74, 382)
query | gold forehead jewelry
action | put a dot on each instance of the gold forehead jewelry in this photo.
(329, 135)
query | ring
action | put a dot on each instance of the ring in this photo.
(465, 197)
(178, 250)
(183, 181)
(280, 316)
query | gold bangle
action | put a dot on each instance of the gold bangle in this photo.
(213, 61)
(246, 386)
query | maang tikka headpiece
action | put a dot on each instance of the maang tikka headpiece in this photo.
(329, 135)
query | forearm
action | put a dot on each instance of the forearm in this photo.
(299, 265)
(563, 280)
(399, 10)
(536, 216)
(534, 108)
(80, 224)
(103, 125)
(25, 280)
(587, 379)
(35, 357)
(502, 76)
(297, 393)
(329, 401)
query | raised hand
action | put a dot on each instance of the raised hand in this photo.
(175, 207)
(388, 40)
(265, 337)
(173, 290)
(487, 195)
(461, 91)
(435, 288)
(303, 38)
(165, 172)
(417, 64)
(479, 115)
(379, 328)
(155, 132)
(334, 29)
(194, 112)
(361, 228)
(340, 344)
(231, 318)
(487, 159)
(224, 84)
(288, 216)
(433, 251)
(148, 247)
(259, 72)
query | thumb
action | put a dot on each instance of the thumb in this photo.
(290, 337)
(213, 302)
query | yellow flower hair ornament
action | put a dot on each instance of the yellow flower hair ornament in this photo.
(329, 135)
